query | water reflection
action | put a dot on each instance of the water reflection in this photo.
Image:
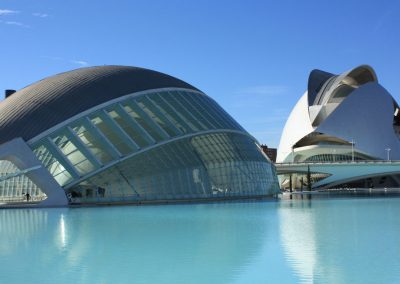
(157, 244)
(297, 231)
(342, 240)
(299, 240)
(18, 227)
(63, 237)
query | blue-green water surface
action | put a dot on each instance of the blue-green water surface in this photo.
(354, 240)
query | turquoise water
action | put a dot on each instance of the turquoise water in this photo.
(288, 241)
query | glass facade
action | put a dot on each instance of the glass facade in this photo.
(156, 146)
(14, 186)
(205, 166)
(337, 157)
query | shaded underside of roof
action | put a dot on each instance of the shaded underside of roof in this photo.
(316, 80)
(44, 104)
(322, 85)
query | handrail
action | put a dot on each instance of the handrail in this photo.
(339, 162)
(21, 199)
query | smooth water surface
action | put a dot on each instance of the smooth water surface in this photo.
(288, 241)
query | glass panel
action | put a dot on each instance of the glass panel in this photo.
(174, 116)
(156, 115)
(43, 154)
(160, 125)
(234, 163)
(16, 188)
(207, 166)
(111, 135)
(132, 110)
(201, 117)
(73, 154)
(222, 112)
(186, 114)
(93, 144)
(56, 169)
(205, 109)
(136, 136)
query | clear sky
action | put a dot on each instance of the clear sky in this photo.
(252, 57)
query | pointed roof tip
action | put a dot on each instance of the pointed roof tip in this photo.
(362, 74)
(316, 80)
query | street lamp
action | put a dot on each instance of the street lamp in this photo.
(352, 149)
(292, 154)
(388, 153)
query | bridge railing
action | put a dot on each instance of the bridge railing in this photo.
(340, 162)
(20, 199)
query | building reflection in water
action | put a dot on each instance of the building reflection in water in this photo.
(19, 227)
(297, 230)
(63, 237)
(137, 244)
(331, 241)
(341, 240)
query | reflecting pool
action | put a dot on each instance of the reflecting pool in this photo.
(355, 240)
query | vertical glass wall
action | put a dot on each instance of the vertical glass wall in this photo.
(219, 165)
(337, 157)
(15, 186)
(102, 142)
(233, 164)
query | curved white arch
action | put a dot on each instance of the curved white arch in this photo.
(366, 117)
(297, 126)
(18, 152)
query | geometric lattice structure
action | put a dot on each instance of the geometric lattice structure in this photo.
(14, 185)
(124, 134)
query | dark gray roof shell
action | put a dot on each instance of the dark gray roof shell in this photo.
(316, 80)
(44, 104)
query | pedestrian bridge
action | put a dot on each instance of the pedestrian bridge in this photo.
(343, 171)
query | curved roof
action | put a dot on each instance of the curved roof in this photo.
(361, 74)
(316, 80)
(349, 106)
(44, 104)
(354, 78)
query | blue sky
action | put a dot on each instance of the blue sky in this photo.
(252, 57)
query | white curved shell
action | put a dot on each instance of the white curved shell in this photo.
(366, 117)
(297, 126)
(350, 107)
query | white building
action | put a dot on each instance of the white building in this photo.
(340, 119)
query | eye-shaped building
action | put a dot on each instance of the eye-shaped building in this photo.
(117, 134)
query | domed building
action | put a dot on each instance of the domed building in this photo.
(343, 118)
(117, 134)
